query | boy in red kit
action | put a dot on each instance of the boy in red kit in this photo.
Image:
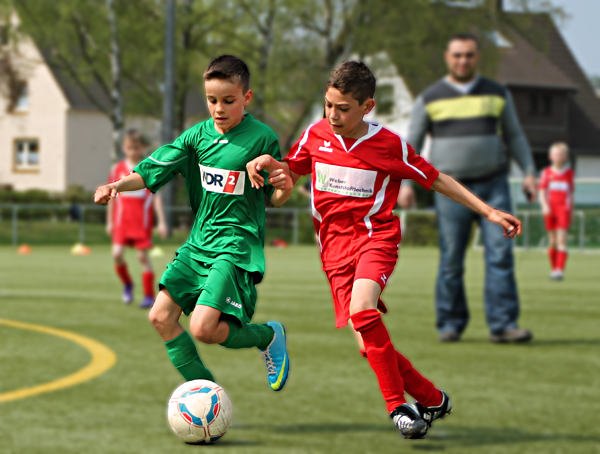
(356, 171)
(556, 199)
(130, 220)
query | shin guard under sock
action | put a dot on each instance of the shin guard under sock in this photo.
(415, 384)
(248, 336)
(381, 356)
(184, 356)
(561, 259)
(123, 274)
(552, 256)
(148, 281)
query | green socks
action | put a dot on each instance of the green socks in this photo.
(248, 336)
(184, 356)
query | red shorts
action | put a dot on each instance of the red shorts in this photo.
(558, 219)
(376, 265)
(136, 242)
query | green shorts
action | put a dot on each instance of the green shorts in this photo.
(221, 285)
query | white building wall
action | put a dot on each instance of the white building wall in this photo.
(587, 167)
(44, 120)
(89, 146)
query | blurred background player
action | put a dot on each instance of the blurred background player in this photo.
(470, 118)
(556, 191)
(130, 220)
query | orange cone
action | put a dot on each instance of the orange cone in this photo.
(24, 249)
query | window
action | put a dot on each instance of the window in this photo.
(541, 105)
(22, 101)
(27, 155)
(384, 100)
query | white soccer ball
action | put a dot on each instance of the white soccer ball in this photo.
(200, 412)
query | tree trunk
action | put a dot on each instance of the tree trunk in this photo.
(116, 94)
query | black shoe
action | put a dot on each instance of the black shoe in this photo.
(430, 414)
(409, 422)
(449, 336)
(512, 335)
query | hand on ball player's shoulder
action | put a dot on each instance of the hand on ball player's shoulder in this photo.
(510, 224)
(104, 194)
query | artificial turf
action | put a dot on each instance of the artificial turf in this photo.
(537, 398)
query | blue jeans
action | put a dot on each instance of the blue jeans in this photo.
(500, 296)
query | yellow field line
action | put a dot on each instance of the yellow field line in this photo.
(103, 358)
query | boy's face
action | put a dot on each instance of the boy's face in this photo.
(133, 149)
(558, 156)
(344, 113)
(226, 102)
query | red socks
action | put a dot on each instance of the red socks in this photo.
(561, 260)
(123, 274)
(415, 384)
(552, 256)
(381, 356)
(148, 280)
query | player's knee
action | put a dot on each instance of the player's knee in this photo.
(160, 319)
(203, 332)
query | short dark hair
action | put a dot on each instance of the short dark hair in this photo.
(353, 77)
(231, 68)
(136, 136)
(463, 37)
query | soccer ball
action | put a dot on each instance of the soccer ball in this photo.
(200, 412)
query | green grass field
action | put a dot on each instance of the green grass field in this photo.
(537, 398)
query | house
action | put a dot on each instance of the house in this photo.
(554, 99)
(51, 137)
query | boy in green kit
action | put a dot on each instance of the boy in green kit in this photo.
(214, 274)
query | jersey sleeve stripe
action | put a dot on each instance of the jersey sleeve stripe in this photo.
(379, 198)
(166, 163)
(405, 157)
(303, 141)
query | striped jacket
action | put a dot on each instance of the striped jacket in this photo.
(470, 132)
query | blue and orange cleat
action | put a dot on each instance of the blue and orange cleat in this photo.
(127, 293)
(276, 358)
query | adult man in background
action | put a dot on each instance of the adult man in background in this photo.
(472, 120)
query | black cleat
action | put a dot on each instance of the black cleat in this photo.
(409, 422)
(430, 414)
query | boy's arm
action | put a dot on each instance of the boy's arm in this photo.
(280, 177)
(543, 201)
(107, 192)
(109, 217)
(451, 188)
(163, 229)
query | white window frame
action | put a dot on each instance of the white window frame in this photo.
(25, 166)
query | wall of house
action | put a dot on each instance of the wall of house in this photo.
(587, 166)
(44, 120)
(89, 146)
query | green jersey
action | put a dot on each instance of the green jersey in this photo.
(229, 214)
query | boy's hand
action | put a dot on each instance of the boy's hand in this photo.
(163, 230)
(104, 194)
(109, 229)
(511, 225)
(254, 168)
(280, 180)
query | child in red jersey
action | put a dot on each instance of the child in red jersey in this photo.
(556, 199)
(356, 171)
(130, 220)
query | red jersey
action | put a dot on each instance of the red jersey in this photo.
(355, 185)
(559, 186)
(132, 214)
